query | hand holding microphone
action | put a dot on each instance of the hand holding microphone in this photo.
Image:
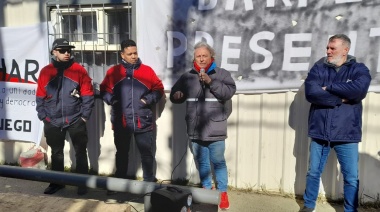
(204, 78)
(201, 73)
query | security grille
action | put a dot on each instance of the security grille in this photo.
(95, 30)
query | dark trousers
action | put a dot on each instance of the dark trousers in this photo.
(55, 138)
(146, 143)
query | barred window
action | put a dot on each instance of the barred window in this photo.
(79, 27)
(96, 31)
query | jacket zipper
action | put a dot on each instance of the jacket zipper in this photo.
(326, 126)
(133, 109)
(61, 91)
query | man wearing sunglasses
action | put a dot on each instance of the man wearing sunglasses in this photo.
(65, 98)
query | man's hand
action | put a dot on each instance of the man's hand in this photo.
(203, 77)
(143, 100)
(178, 95)
(343, 100)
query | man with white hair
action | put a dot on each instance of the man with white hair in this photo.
(207, 90)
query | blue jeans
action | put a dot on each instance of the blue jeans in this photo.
(348, 157)
(206, 151)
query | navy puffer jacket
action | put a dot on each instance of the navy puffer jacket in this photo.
(123, 88)
(331, 119)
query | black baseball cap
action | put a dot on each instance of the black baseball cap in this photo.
(61, 43)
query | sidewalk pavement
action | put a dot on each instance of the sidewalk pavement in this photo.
(24, 195)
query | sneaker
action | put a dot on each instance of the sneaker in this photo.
(224, 204)
(82, 190)
(212, 188)
(52, 188)
(306, 209)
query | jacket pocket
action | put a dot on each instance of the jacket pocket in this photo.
(51, 109)
(144, 119)
(217, 126)
(218, 113)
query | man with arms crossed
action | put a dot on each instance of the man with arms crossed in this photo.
(335, 87)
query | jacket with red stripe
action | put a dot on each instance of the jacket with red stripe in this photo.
(64, 93)
(123, 88)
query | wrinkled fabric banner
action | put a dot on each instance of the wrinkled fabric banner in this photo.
(24, 52)
(266, 45)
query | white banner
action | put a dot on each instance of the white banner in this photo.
(266, 45)
(24, 52)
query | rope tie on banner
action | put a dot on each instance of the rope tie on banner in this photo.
(59, 10)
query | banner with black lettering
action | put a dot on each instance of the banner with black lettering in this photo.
(266, 45)
(24, 52)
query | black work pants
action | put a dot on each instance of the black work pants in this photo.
(146, 143)
(55, 138)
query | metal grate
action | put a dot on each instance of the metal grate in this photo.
(96, 32)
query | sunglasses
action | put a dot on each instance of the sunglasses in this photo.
(63, 51)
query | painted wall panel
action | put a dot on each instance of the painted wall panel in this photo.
(267, 147)
(248, 139)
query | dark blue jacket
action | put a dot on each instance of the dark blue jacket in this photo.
(331, 119)
(123, 88)
(64, 93)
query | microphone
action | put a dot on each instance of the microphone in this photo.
(202, 82)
